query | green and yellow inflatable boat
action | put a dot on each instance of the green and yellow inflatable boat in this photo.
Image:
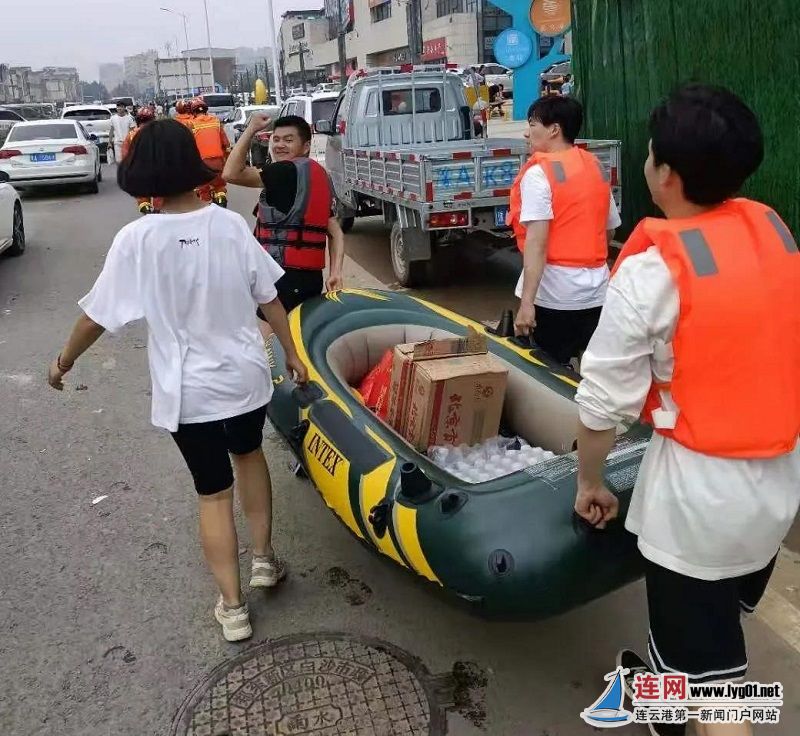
(512, 546)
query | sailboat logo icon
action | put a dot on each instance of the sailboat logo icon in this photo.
(607, 710)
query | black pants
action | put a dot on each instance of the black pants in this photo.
(565, 333)
(295, 287)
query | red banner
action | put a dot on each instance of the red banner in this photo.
(434, 49)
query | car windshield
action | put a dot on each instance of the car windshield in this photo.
(323, 109)
(88, 114)
(53, 132)
(219, 100)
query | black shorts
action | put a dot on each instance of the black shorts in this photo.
(695, 625)
(295, 287)
(565, 333)
(205, 447)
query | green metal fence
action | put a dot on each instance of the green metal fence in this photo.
(629, 53)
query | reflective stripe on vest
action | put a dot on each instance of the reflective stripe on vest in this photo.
(207, 133)
(298, 239)
(734, 390)
(581, 194)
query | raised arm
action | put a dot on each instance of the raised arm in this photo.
(236, 170)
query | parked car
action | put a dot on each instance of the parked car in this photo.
(12, 224)
(220, 104)
(313, 108)
(497, 74)
(237, 121)
(51, 152)
(95, 119)
(554, 76)
(327, 87)
(8, 119)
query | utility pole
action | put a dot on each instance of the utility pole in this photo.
(210, 53)
(342, 48)
(273, 42)
(414, 10)
(302, 50)
(186, 35)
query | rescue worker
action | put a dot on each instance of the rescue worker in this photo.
(214, 149)
(564, 216)
(296, 217)
(699, 333)
(183, 113)
(147, 205)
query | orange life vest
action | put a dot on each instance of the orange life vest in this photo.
(126, 144)
(209, 135)
(185, 119)
(581, 194)
(735, 390)
(298, 239)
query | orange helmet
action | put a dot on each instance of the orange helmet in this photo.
(182, 107)
(145, 115)
(199, 105)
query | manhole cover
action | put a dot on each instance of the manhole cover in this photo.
(327, 685)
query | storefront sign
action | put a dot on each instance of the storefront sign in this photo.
(298, 31)
(434, 49)
(512, 48)
(551, 17)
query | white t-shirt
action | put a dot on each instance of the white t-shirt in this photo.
(122, 125)
(562, 287)
(702, 516)
(195, 278)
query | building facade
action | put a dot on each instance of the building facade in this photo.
(460, 32)
(56, 84)
(301, 32)
(112, 75)
(140, 72)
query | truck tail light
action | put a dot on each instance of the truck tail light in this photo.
(9, 153)
(77, 150)
(449, 219)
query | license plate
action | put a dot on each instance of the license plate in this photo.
(39, 157)
(500, 214)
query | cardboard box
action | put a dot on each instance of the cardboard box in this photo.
(447, 392)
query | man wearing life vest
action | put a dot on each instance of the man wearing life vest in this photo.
(700, 333)
(183, 113)
(214, 148)
(296, 218)
(563, 217)
(145, 115)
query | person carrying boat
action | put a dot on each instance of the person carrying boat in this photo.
(296, 216)
(563, 216)
(193, 273)
(699, 334)
(214, 147)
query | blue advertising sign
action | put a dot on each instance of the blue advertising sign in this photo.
(512, 48)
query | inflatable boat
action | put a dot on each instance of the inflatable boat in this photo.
(513, 546)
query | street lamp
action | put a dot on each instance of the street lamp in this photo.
(210, 54)
(186, 33)
(273, 42)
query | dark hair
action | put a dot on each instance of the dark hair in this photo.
(566, 111)
(710, 138)
(296, 122)
(163, 161)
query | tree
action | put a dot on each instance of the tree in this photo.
(124, 90)
(95, 90)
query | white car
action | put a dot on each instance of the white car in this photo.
(51, 152)
(312, 108)
(237, 121)
(95, 119)
(12, 225)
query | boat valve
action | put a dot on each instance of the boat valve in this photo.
(379, 517)
(505, 327)
(413, 482)
(298, 433)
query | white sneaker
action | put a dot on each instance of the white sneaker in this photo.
(267, 573)
(235, 621)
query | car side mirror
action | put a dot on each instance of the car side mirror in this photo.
(4, 177)
(92, 137)
(324, 127)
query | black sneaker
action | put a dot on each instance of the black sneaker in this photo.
(636, 665)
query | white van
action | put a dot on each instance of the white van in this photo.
(313, 108)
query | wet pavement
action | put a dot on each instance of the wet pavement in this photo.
(106, 607)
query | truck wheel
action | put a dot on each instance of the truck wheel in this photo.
(347, 224)
(408, 273)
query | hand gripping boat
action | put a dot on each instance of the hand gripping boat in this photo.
(511, 546)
